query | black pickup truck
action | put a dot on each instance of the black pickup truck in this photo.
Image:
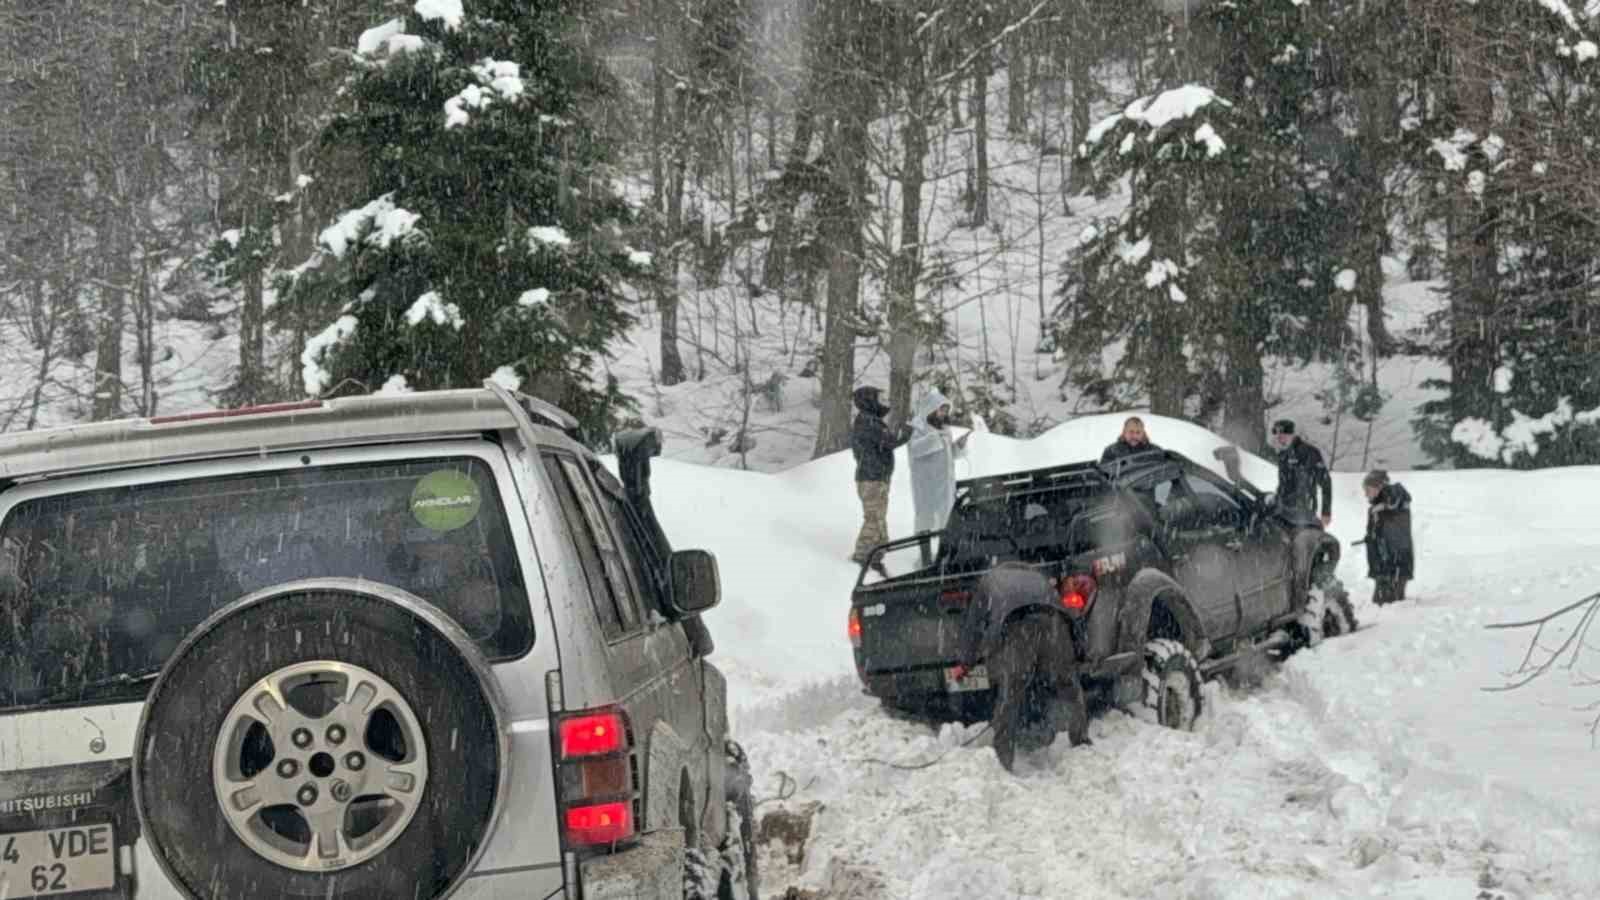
(1168, 573)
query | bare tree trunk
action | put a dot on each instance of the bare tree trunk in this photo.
(252, 339)
(1016, 85)
(843, 215)
(980, 140)
(45, 338)
(658, 109)
(1378, 109)
(777, 263)
(1082, 78)
(672, 241)
(906, 269)
(1472, 259)
(144, 315)
(108, 347)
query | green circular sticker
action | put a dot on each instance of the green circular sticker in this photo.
(445, 500)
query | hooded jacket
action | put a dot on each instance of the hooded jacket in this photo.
(933, 454)
(871, 441)
(1390, 552)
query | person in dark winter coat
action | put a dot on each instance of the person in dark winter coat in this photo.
(873, 443)
(1014, 626)
(1390, 553)
(1302, 474)
(1134, 439)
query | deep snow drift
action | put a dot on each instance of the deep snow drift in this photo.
(1372, 766)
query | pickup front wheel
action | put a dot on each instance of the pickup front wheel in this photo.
(1172, 684)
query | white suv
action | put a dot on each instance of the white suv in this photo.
(380, 647)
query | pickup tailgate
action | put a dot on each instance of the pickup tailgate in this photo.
(912, 624)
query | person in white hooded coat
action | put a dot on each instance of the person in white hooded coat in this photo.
(932, 452)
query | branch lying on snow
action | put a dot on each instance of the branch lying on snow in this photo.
(1542, 658)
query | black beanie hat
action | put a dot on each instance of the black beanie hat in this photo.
(1283, 426)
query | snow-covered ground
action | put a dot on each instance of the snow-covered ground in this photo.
(1373, 766)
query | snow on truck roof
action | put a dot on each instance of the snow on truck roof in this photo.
(124, 443)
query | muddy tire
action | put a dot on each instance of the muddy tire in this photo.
(727, 871)
(1338, 613)
(329, 739)
(1172, 684)
(742, 805)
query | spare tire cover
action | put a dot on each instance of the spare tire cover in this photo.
(356, 731)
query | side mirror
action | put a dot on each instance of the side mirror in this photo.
(1229, 457)
(696, 585)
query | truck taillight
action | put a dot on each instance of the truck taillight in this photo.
(1077, 593)
(596, 782)
(592, 735)
(854, 627)
(602, 823)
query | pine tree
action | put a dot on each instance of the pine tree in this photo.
(1522, 276)
(490, 245)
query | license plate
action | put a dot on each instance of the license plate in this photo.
(977, 679)
(58, 861)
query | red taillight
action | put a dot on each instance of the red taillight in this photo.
(602, 823)
(596, 778)
(1077, 593)
(592, 735)
(854, 627)
(261, 410)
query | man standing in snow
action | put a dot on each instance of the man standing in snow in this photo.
(933, 462)
(1389, 547)
(873, 445)
(1134, 439)
(1301, 473)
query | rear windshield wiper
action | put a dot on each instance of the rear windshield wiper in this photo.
(121, 679)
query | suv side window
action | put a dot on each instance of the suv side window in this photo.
(630, 545)
(603, 564)
(1217, 506)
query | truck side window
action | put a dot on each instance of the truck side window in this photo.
(1217, 506)
(603, 566)
(633, 552)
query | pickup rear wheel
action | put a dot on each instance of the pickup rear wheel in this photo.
(327, 739)
(1172, 684)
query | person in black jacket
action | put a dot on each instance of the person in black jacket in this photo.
(1015, 626)
(1390, 555)
(1134, 439)
(873, 443)
(1302, 474)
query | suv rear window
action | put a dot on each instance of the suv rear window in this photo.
(97, 584)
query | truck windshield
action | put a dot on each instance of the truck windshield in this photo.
(95, 585)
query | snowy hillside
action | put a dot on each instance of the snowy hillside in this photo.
(1372, 766)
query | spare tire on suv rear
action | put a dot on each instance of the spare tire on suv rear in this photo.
(330, 738)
